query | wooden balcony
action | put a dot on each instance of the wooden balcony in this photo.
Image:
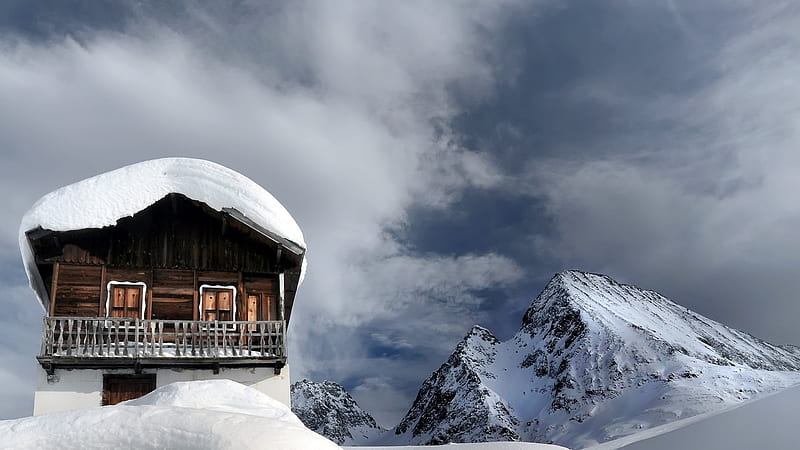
(107, 342)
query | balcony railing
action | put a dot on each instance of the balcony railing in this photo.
(109, 337)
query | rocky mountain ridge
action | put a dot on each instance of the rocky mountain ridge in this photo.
(594, 360)
(329, 410)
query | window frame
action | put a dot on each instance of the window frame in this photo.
(110, 288)
(217, 287)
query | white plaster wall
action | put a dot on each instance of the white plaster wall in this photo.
(82, 388)
(69, 389)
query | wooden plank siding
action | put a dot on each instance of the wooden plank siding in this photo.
(76, 289)
(53, 289)
(172, 294)
(81, 291)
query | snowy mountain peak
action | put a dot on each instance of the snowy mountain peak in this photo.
(330, 411)
(477, 348)
(587, 292)
(481, 332)
(575, 303)
(594, 360)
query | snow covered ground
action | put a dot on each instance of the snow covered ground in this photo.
(769, 423)
(213, 414)
(480, 446)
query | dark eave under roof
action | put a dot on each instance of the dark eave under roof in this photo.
(282, 241)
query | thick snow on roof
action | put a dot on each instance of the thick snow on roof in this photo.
(102, 200)
(213, 414)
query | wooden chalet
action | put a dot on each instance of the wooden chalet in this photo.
(178, 286)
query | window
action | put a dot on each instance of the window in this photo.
(126, 299)
(261, 307)
(217, 303)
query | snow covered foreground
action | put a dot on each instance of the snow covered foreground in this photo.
(477, 446)
(197, 415)
(768, 423)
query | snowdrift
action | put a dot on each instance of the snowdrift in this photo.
(477, 446)
(197, 415)
(769, 422)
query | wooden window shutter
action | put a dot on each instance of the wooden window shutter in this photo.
(270, 307)
(210, 306)
(252, 308)
(133, 298)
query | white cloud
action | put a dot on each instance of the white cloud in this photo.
(339, 109)
(381, 398)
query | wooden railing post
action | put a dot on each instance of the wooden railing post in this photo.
(283, 339)
(125, 326)
(160, 338)
(216, 339)
(193, 337)
(70, 339)
(95, 328)
(136, 324)
(60, 347)
(45, 337)
(153, 326)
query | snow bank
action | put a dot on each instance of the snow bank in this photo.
(479, 446)
(768, 423)
(213, 414)
(102, 200)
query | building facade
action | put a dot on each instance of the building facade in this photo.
(184, 277)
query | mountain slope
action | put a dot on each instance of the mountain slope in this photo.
(461, 384)
(330, 411)
(594, 360)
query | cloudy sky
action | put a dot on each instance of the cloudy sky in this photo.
(444, 159)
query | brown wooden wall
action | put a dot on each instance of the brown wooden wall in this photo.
(81, 290)
(173, 294)
(78, 291)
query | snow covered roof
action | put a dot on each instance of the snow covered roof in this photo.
(102, 200)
